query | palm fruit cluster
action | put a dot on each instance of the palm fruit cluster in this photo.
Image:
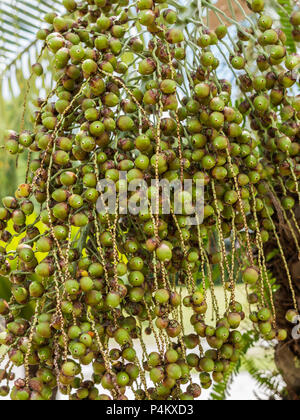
(139, 88)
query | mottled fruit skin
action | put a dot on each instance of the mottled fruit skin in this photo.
(250, 276)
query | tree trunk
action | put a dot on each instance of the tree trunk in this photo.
(287, 354)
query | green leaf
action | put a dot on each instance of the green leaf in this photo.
(286, 25)
(19, 23)
(272, 254)
(4, 288)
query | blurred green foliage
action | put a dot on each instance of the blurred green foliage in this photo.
(10, 174)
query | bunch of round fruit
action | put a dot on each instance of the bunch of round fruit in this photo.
(139, 90)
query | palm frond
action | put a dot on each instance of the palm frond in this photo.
(221, 391)
(269, 382)
(284, 10)
(20, 20)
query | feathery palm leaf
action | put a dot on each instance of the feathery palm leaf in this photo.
(19, 22)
